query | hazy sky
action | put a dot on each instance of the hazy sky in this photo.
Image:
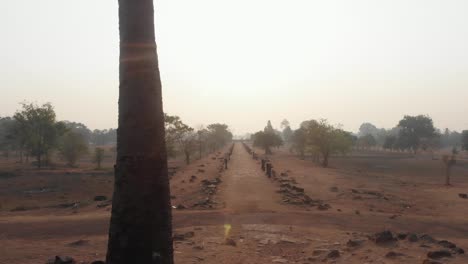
(246, 61)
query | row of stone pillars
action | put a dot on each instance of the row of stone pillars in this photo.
(267, 167)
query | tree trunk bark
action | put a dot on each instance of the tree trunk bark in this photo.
(325, 160)
(140, 227)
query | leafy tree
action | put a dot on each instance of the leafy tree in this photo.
(80, 129)
(98, 156)
(7, 142)
(287, 134)
(368, 129)
(201, 140)
(104, 137)
(390, 142)
(367, 141)
(413, 129)
(266, 140)
(176, 135)
(38, 129)
(72, 147)
(299, 141)
(327, 139)
(219, 135)
(464, 139)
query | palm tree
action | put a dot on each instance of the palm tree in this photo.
(140, 227)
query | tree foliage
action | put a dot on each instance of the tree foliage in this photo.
(464, 140)
(72, 147)
(413, 129)
(37, 130)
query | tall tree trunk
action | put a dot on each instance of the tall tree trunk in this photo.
(140, 227)
(448, 169)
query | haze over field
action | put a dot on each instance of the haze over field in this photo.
(247, 61)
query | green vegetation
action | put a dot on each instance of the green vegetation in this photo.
(72, 147)
(267, 139)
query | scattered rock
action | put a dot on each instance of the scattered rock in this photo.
(323, 207)
(61, 260)
(384, 238)
(78, 243)
(402, 236)
(183, 236)
(181, 207)
(334, 189)
(430, 261)
(439, 254)
(458, 250)
(100, 198)
(333, 254)
(393, 254)
(446, 244)
(354, 243)
(463, 195)
(230, 242)
(413, 237)
(199, 247)
(427, 238)
(279, 260)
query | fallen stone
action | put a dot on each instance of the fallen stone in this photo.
(230, 242)
(354, 243)
(402, 236)
(430, 261)
(384, 238)
(61, 260)
(183, 236)
(439, 254)
(458, 250)
(393, 254)
(463, 195)
(427, 238)
(446, 244)
(413, 238)
(333, 254)
(100, 198)
(78, 243)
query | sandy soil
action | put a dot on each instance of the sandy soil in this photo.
(248, 221)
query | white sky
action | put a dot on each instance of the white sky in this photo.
(246, 61)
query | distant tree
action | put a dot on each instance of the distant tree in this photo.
(287, 134)
(219, 135)
(179, 137)
(188, 145)
(7, 142)
(98, 156)
(367, 141)
(269, 127)
(201, 140)
(38, 127)
(284, 124)
(464, 140)
(390, 142)
(104, 137)
(368, 129)
(413, 129)
(72, 147)
(327, 139)
(266, 140)
(299, 141)
(79, 128)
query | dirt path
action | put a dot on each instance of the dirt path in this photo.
(245, 188)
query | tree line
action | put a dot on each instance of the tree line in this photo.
(33, 131)
(320, 140)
